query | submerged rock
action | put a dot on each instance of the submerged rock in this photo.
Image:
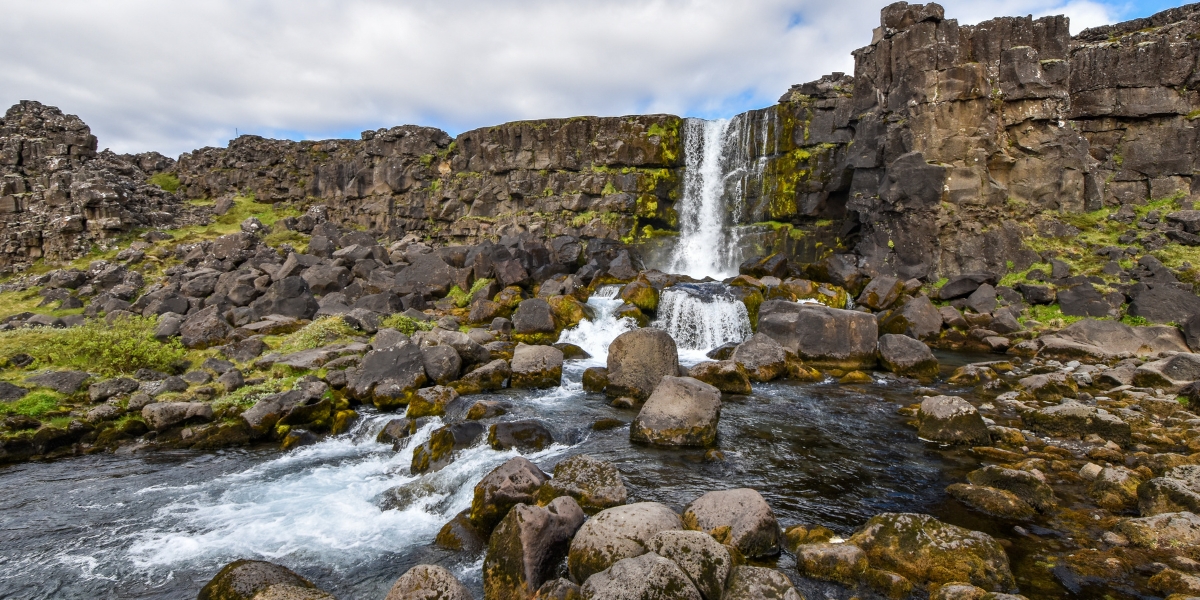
(991, 501)
(926, 550)
(906, 356)
(952, 420)
(681, 412)
(762, 357)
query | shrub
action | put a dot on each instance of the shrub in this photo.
(321, 332)
(405, 325)
(124, 346)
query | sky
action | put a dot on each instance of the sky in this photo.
(175, 75)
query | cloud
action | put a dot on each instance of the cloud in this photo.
(173, 75)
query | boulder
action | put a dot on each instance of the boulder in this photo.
(740, 518)
(762, 357)
(961, 286)
(644, 577)
(927, 551)
(595, 379)
(559, 589)
(725, 375)
(536, 366)
(617, 533)
(533, 317)
(527, 546)
(428, 582)
(1163, 303)
(638, 360)
(1171, 373)
(991, 501)
(1110, 340)
(247, 579)
(759, 583)
(704, 560)
(426, 274)
(1029, 487)
(164, 415)
(512, 483)
(982, 300)
(442, 364)
(528, 435)
(490, 376)
(431, 401)
(294, 407)
(843, 563)
(1176, 491)
(917, 318)
(289, 297)
(99, 392)
(1115, 488)
(820, 335)
(906, 356)
(326, 278)
(1179, 530)
(389, 377)
(205, 329)
(681, 412)
(1074, 420)
(1036, 294)
(1049, 387)
(595, 484)
(439, 450)
(951, 420)
(10, 392)
(881, 292)
(63, 382)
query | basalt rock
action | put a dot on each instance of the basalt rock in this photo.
(740, 518)
(925, 550)
(638, 360)
(594, 484)
(820, 335)
(615, 534)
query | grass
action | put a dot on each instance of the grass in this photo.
(167, 182)
(461, 298)
(243, 208)
(404, 324)
(1050, 315)
(122, 347)
(12, 303)
(322, 332)
(36, 404)
(245, 397)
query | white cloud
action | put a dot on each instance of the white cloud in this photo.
(172, 75)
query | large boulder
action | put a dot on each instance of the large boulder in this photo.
(740, 518)
(927, 551)
(762, 357)
(426, 274)
(951, 420)
(843, 563)
(1109, 340)
(527, 546)
(488, 377)
(881, 292)
(1029, 487)
(205, 329)
(1163, 303)
(820, 335)
(246, 579)
(428, 582)
(906, 356)
(1115, 488)
(1177, 490)
(725, 375)
(703, 559)
(389, 377)
(439, 450)
(533, 318)
(514, 482)
(1049, 387)
(301, 406)
(1168, 530)
(595, 484)
(63, 382)
(917, 318)
(638, 360)
(617, 533)
(759, 583)
(165, 415)
(442, 364)
(1075, 420)
(536, 366)
(526, 435)
(1171, 373)
(326, 278)
(644, 577)
(289, 297)
(961, 286)
(430, 401)
(681, 412)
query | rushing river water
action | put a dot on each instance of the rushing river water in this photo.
(159, 525)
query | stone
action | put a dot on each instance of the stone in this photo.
(951, 420)
(289, 297)
(559, 589)
(994, 502)
(595, 484)
(740, 518)
(1171, 373)
(490, 376)
(245, 350)
(1084, 300)
(906, 356)
(881, 292)
(63, 382)
(527, 546)
(961, 286)
(298, 407)
(426, 274)
(248, 579)
(1176, 491)
(512, 483)
(644, 577)
(430, 401)
(615, 534)
(1036, 294)
(819, 335)
(10, 392)
(917, 318)
(442, 445)
(1115, 488)
(1110, 340)
(326, 278)
(762, 358)
(99, 392)
(681, 412)
(428, 582)
(1075, 420)
(925, 550)
(843, 563)
(1049, 387)
(164, 415)
(595, 379)
(759, 583)
(726, 375)
(1179, 530)
(1163, 303)
(1029, 487)
(389, 377)
(442, 363)
(528, 435)
(536, 367)
(205, 329)
(704, 560)
(638, 360)
(982, 300)
(533, 316)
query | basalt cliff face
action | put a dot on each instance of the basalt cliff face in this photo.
(945, 152)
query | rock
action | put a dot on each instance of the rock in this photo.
(297, 407)
(994, 502)
(559, 589)
(615, 534)
(247, 579)
(638, 360)
(681, 412)
(925, 550)
(514, 482)
(726, 375)
(442, 364)
(326, 278)
(982, 300)
(595, 379)
(705, 561)
(245, 350)
(595, 484)
(740, 518)
(1075, 420)
(485, 409)
(426, 274)
(533, 317)
(843, 563)
(164, 415)
(536, 367)
(1179, 530)
(641, 295)
(906, 356)
(1110, 340)
(762, 358)
(490, 376)
(758, 583)
(439, 451)
(1163, 303)
(205, 329)
(1036, 294)
(527, 546)
(389, 377)
(964, 285)
(428, 582)
(951, 420)
(1025, 485)
(9, 392)
(1115, 488)
(819, 335)
(917, 318)
(99, 392)
(289, 297)
(63, 382)
(430, 402)
(1049, 387)
(528, 435)
(644, 577)
(104, 412)
(881, 292)
(1177, 490)
(1171, 373)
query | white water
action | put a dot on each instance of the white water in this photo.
(594, 336)
(701, 322)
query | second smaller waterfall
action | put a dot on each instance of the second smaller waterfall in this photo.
(702, 316)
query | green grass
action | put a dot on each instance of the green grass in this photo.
(12, 303)
(1050, 315)
(167, 182)
(405, 325)
(245, 397)
(96, 346)
(322, 332)
(243, 208)
(35, 404)
(463, 298)
(1135, 321)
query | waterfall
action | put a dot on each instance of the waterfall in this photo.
(701, 317)
(594, 335)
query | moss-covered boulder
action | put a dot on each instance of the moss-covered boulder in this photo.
(759, 583)
(843, 563)
(991, 501)
(682, 411)
(641, 295)
(644, 576)
(439, 450)
(927, 551)
(245, 579)
(617, 533)
(725, 375)
(595, 379)
(703, 559)
(428, 582)
(527, 546)
(595, 484)
(739, 518)
(430, 402)
(514, 482)
(568, 311)
(633, 313)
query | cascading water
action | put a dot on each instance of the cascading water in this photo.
(594, 335)
(700, 317)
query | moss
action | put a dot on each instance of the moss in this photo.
(36, 404)
(404, 324)
(167, 182)
(1048, 314)
(243, 208)
(668, 134)
(323, 331)
(1192, 116)
(608, 190)
(123, 346)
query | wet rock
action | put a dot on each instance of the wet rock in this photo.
(705, 561)
(644, 576)
(917, 318)
(559, 589)
(396, 430)
(638, 360)
(617, 533)
(819, 335)
(740, 518)
(881, 292)
(952, 420)
(485, 409)
(428, 582)
(164, 415)
(247, 579)
(726, 375)
(1075, 420)
(1027, 486)
(758, 583)
(762, 358)
(594, 484)
(536, 367)
(99, 392)
(430, 402)
(906, 356)
(641, 295)
(991, 501)
(1171, 373)
(528, 435)
(63, 382)
(1115, 488)
(843, 563)
(1179, 530)
(925, 550)
(681, 412)
(488, 377)
(1110, 340)
(723, 352)
(1049, 387)
(527, 546)
(533, 317)
(442, 364)
(1177, 490)
(303, 406)
(514, 482)
(595, 379)
(389, 377)
(439, 451)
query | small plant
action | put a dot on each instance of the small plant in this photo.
(321, 332)
(404, 324)
(167, 182)
(1135, 320)
(35, 404)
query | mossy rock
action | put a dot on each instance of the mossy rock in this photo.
(434, 453)
(752, 298)
(535, 339)
(629, 311)
(641, 295)
(927, 551)
(568, 311)
(342, 421)
(245, 579)
(855, 377)
(509, 298)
